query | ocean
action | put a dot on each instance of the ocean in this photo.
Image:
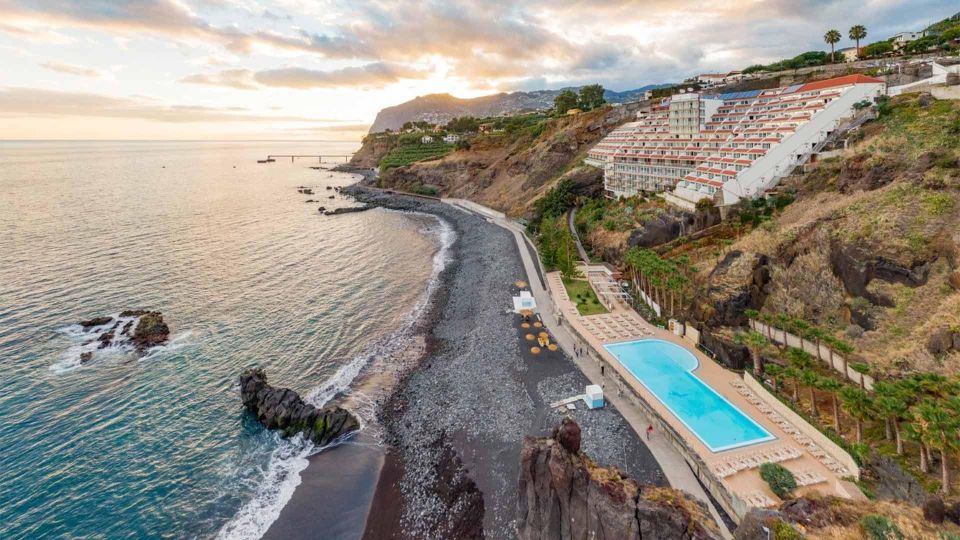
(246, 274)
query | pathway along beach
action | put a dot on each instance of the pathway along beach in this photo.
(455, 422)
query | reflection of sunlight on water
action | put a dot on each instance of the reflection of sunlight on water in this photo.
(289, 460)
(245, 273)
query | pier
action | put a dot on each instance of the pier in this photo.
(319, 157)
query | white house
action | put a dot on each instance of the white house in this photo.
(451, 138)
(711, 79)
(901, 39)
(426, 139)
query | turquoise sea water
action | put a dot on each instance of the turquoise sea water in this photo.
(245, 273)
(666, 370)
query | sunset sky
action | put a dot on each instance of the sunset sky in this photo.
(307, 69)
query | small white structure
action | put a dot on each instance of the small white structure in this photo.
(426, 139)
(451, 138)
(593, 397)
(524, 301)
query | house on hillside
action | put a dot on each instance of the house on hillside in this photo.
(901, 39)
(848, 54)
(426, 139)
(486, 128)
(711, 79)
(571, 112)
(451, 138)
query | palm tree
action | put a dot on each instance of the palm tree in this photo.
(845, 349)
(809, 378)
(833, 386)
(815, 334)
(939, 429)
(858, 32)
(863, 370)
(755, 343)
(767, 319)
(775, 372)
(832, 37)
(800, 362)
(892, 405)
(858, 405)
(793, 374)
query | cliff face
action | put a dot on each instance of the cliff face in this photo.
(563, 495)
(510, 174)
(870, 249)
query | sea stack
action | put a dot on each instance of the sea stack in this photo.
(564, 495)
(283, 409)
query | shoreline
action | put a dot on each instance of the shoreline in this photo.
(454, 422)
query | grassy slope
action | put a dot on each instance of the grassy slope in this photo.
(912, 220)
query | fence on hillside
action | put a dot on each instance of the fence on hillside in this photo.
(831, 358)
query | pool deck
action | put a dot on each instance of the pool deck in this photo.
(624, 324)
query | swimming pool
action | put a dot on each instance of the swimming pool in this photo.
(665, 369)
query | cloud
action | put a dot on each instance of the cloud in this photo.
(375, 75)
(241, 79)
(26, 102)
(72, 69)
(371, 75)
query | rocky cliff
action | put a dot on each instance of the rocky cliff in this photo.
(283, 409)
(564, 495)
(509, 174)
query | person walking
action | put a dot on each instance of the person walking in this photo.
(649, 431)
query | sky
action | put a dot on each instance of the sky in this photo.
(320, 70)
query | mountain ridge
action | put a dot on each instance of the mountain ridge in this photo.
(442, 107)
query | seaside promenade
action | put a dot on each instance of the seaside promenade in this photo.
(673, 464)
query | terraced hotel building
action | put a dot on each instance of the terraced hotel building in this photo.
(728, 146)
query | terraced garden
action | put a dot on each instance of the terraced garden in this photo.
(410, 153)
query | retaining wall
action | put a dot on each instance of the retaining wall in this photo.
(792, 340)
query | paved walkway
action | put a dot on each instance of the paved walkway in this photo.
(571, 216)
(674, 466)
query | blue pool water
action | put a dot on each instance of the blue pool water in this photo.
(666, 370)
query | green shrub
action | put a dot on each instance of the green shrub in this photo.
(779, 478)
(784, 531)
(876, 527)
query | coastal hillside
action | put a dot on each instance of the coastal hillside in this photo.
(506, 170)
(441, 108)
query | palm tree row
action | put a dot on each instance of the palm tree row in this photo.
(805, 331)
(660, 278)
(922, 408)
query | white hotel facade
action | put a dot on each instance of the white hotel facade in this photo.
(728, 146)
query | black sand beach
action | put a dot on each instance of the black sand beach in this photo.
(455, 423)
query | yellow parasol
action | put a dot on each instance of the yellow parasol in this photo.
(535, 350)
(530, 337)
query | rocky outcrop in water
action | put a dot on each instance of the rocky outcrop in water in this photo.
(346, 210)
(564, 495)
(150, 331)
(283, 409)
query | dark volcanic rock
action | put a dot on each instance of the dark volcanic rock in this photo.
(150, 331)
(730, 354)
(857, 269)
(739, 282)
(891, 482)
(346, 210)
(96, 321)
(563, 495)
(756, 523)
(282, 408)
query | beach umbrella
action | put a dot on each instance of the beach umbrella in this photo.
(521, 284)
(552, 347)
(530, 337)
(535, 350)
(538, 324)
(544, 335)
(525, 325)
